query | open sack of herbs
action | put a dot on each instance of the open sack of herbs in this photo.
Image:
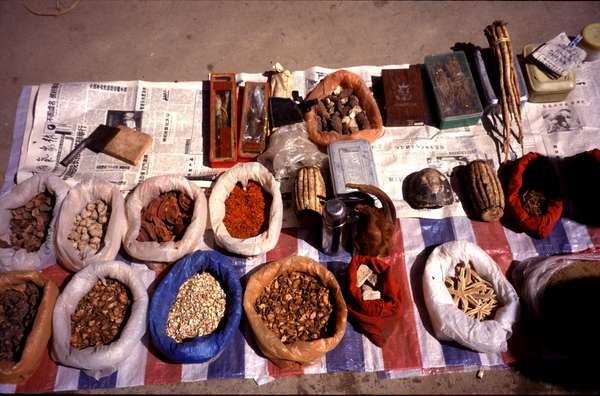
(344, 109)
(468, 298)
(90, 225)
(26, 302)
(296, 311)
(27, 217)
(166, 218)
(99, 317)
(246, 209)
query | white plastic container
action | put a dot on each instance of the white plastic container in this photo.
(591, 41)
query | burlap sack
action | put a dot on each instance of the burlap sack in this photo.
(89, 191)
(299, 353)
(345, 79)
(166, 252)
(19, 195)
(37, 339)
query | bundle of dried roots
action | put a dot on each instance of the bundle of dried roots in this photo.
(499, 40)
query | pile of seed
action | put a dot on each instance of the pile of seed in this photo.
(18, 307)
(295, 306)
(29, 223)
(90, 226)
(100, 315)
(198, 308)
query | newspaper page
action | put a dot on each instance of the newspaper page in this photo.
(66, 113)
(174, 114)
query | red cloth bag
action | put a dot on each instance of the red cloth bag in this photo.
(536, 226)
(376, 319)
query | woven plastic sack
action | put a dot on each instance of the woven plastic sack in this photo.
(324, 88)
(243, 173)
(203, 348)
(536, 226)
(377, 319)
(166, 252)
(19, 195)
(99, 361)
(89, 191)
(37, 339)
(451, 323)
(299, 353)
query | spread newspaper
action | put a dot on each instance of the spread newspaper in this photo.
(60, 115)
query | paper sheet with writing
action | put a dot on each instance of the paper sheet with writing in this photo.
(174, 114)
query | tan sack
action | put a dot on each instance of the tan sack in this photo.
(86, 192)
(37, 339)
(299, 353)
(166, 252)
(345, 79)
(19, 195)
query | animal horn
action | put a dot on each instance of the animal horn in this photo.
(386, 203)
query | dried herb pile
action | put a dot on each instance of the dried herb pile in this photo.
(18, 307)
(341, 112)
(29, 223)
(166, 217)
(247, 211)
(471, 293)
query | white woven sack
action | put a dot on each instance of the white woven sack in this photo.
(451, 323)
(165, 252)
(99, 361)
(89, 191)
(244, 172)
(19, 195)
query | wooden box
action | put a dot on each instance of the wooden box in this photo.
(254, 120)
(223, 120)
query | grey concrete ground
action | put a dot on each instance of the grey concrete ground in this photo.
(185, 40)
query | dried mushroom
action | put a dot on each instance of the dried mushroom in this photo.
(296, 307)
(166, 217)
(89, 227)
(198, 308)
(100, 315)
(18, 308)
(29, 223)
(341, 112)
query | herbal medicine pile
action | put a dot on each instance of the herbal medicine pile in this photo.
(247, 210)
(100, 315)
(198, 309)
(89, 227)
(29, 223)
(166, 217)
(296, 307)
(18, 308)
(471, 293)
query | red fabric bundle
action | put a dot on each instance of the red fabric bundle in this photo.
(534, 170)
(376, 319)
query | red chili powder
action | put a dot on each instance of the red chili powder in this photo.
(247, 212)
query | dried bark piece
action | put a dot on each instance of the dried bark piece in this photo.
(485, 190)
(471, 293)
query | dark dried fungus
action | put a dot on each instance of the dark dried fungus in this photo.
(427, 189)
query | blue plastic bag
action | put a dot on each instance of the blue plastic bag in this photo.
(203, 348)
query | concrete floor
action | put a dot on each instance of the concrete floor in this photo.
(185, 40)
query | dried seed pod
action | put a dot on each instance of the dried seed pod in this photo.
(485, 190)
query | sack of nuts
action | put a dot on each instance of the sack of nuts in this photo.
(26, 303)
(28, 214)
(533, 195)
(373, 298)
(196, 309)
(90, 224)
(296, 311)
(238, 208)
(160, 228)
(344, 82)
(468, 298)
(100, 317)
